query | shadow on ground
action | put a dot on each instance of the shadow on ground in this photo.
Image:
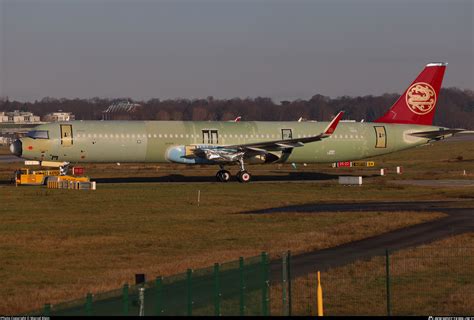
(268, 177)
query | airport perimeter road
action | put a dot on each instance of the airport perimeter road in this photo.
(460, 219)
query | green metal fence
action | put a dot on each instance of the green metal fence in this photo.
(241, 287)
(418, 281)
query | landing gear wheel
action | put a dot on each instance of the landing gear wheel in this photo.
(243, 176)
(223, 176)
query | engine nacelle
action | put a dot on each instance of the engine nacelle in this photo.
(263, 158)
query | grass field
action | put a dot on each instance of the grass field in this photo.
(432, 279)
(58, 244)
(69, 242)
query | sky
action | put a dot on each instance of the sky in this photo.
(194, 49)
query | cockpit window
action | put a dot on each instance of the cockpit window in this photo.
(38, 134)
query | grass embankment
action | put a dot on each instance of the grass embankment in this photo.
(431, 279)
(59, 244)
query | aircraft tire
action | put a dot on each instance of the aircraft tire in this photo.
(244, 176)
(223, 176)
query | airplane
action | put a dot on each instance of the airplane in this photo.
(407, 124)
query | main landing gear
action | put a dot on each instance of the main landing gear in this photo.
(242, 176)
(223, 175)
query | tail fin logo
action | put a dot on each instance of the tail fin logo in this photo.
(421, 98)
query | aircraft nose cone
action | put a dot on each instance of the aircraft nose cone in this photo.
(16, 148)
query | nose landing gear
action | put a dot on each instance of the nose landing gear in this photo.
(243, 176)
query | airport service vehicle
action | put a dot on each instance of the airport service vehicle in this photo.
(33, 177)
(26, 176)
(407, 124)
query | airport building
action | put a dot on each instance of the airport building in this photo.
(59, 116)
(121, 111)
(18, 117)
(16, 124)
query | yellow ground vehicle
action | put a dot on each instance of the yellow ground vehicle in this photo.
(26, 176)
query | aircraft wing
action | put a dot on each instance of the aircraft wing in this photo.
(288, 143)
(437, 134)
(232, 153)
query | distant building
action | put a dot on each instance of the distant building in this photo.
(59, 116)
(18, 117)
(121, 111)
(15, 124)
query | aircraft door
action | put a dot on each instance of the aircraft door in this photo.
(205, 136)
(381, 137)
(66, 135)
(210, 136)
(214, 137)
(286, 134)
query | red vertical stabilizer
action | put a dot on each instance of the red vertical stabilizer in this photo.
(418, 103)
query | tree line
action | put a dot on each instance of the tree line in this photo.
(455, 108)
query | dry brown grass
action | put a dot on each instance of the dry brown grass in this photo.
(58, 244)
(432, 279)
(72, 242)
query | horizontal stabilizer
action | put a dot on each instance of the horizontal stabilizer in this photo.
(437, 134)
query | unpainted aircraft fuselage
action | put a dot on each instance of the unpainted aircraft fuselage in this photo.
(164, 141)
